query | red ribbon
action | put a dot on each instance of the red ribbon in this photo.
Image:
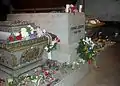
(89, 61)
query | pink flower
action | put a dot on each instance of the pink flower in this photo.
(46, 73)
(57, 39)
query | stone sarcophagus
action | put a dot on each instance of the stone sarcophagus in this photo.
(19, 51)
(69, 27)
(17, 54)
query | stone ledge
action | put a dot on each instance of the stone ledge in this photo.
(74, 77)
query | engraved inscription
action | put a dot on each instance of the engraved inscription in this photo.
(76, 29)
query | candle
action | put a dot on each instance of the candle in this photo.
(67, 8)
(80, 8)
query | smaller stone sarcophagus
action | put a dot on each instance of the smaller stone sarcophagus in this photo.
(20, 48)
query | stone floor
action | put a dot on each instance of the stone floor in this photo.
(109, 72)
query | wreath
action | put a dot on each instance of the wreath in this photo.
(53, 45)
(87, 50)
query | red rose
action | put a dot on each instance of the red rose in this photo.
(11, 38)
(57, 39)
(46, 73)
(19, 37)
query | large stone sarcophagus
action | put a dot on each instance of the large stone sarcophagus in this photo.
(19, 53)
(20, 48)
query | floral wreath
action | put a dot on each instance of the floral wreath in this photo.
(53, 40)
(52, 45)
(87, 50)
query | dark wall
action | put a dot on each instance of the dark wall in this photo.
(107, 10)
(26, 4)
(4, 9)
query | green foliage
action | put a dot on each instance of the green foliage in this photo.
(85, 51)
(51, 47)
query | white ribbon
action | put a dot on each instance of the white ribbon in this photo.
(50, 55)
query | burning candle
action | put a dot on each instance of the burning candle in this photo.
(80, 8)
(67, 8)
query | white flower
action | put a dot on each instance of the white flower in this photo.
(46, 48)
(67, 63)
(29, 26)
(89, 41)
(10, 80)
(35, 70)
(24, 33)
(26, 74)
(86, 40)
(34, 81)
(44, 31)
(50, 46)
(37, 77)
(32, 30)
(74, 62)
(53, 42)
(82, 61)
(31, 47)
(39, 32)
(77, 63)
(92, 45)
